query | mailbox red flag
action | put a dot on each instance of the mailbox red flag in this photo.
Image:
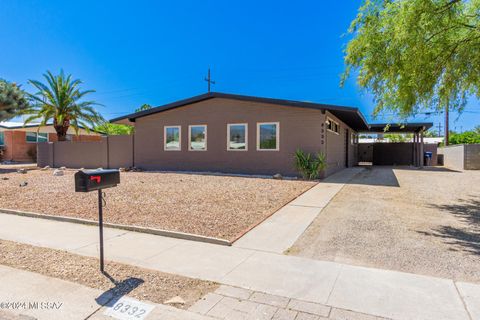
(96, 178)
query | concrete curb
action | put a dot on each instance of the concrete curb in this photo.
(158, 232)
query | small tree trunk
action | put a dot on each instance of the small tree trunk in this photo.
(61, 129)
(61, 133)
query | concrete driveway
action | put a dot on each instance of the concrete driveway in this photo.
(400, 218)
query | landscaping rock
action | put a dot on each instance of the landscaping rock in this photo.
(22, 171)
(122, 169)
(5, 178)
(45, 168)
(278, 176)
(58, 172)
(62, 168)
(24, 184)
(175, 300)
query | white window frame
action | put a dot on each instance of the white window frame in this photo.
(179, 138)
(190, 136)
(228, 136)
(277, 136)
(36, 136)
(338, 126)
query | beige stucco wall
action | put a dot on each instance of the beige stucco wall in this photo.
(461, 157)
(108, 152)
(453, 156)
(299, 128)
(120, 149)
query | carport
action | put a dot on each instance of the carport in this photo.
(395, 153)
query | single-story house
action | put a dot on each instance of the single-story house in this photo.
(18, 141)
(229, 133)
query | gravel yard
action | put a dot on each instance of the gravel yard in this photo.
(216, 206)
(137, 282)
(419, 221)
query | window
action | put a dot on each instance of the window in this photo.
(172, 138)
(33, 137)
(332, 126)
(268, 136)
(2, 139)
(237, 137)
(42, 137)
(353, 138)
(197, 137)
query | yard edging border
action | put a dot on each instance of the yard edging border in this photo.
(158, 232)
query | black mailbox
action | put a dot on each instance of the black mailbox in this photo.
(92, 180)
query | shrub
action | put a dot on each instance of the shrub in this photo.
(309, 166)
(32, 153)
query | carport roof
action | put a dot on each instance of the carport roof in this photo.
(400, 128)
(351, 116)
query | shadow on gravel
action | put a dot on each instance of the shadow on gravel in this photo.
(122, 288)
(467, 239)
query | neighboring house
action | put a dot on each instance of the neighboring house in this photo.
(426, 140)
(19, 142)
(229, 133)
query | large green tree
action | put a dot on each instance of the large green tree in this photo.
(113, 129)
(61, 101)
(414, 54)
(13, 100)
(143, 107)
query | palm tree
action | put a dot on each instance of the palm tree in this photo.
(60, 100)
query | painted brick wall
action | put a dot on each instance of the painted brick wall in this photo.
(18, 149)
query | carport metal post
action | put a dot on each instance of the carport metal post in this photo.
(414, 160)
(421, 148)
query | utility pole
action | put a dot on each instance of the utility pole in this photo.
(439, 129)
(446, 125)
(209, 80)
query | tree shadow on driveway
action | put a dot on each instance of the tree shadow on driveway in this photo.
(466, 239)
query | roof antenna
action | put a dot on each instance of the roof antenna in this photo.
(209, 80)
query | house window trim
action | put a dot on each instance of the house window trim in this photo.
(36, 136)
(277, 136)
(190, 137)
(338, 126)
(2, 133)
(179, 138)
(228, 136)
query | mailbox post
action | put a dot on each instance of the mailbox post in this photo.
(96, 180)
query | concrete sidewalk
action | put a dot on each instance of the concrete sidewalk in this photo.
(28, 296)
(280, 231)
(371, 291)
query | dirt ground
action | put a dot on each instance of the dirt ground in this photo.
(215, 206)
(122, 279)
(419, 221)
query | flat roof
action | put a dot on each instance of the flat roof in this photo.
(11, 125)
(16, 125)
(399, 127)
(351, 116)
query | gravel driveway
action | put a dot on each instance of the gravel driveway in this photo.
(216, 206)
(419, 221)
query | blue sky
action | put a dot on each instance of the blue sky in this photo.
(135, 52)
